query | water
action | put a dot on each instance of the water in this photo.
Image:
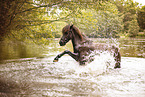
(41, 77)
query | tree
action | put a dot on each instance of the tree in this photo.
(23, 19)
(18, 15)
(109, 24)
(128, 10)
(141, 17)
(133, 28)
(104, 23)
(97, 20)
(38, 20)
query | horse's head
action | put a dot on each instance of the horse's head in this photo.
(67, 35)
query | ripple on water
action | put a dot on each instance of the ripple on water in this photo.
(67, 78)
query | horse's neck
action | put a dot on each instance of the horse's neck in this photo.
(75, 42)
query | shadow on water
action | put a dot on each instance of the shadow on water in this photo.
(34, 74)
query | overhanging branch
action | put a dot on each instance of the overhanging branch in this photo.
(50, 21)
(47, 5)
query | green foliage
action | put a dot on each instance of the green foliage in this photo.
(133, 28)
(141, 34)
(128, 9)
(109, 24)
(99, 23)
(141, 17)
(39, 20)
(24, 19)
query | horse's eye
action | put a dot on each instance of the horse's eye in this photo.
(66, 33)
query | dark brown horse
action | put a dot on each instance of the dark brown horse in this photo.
(83, 47)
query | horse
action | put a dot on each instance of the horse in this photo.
(83, 47)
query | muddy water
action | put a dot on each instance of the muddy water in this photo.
(41, 77)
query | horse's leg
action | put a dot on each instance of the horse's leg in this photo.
(117, 58)
(73, 55)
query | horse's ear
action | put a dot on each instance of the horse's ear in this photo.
(71, 26)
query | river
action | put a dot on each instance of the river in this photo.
(29, 71)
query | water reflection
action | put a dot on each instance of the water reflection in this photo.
(132, 47)
(15, 50)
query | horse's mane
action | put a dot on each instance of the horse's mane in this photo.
(82, 36)
(75, 29)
